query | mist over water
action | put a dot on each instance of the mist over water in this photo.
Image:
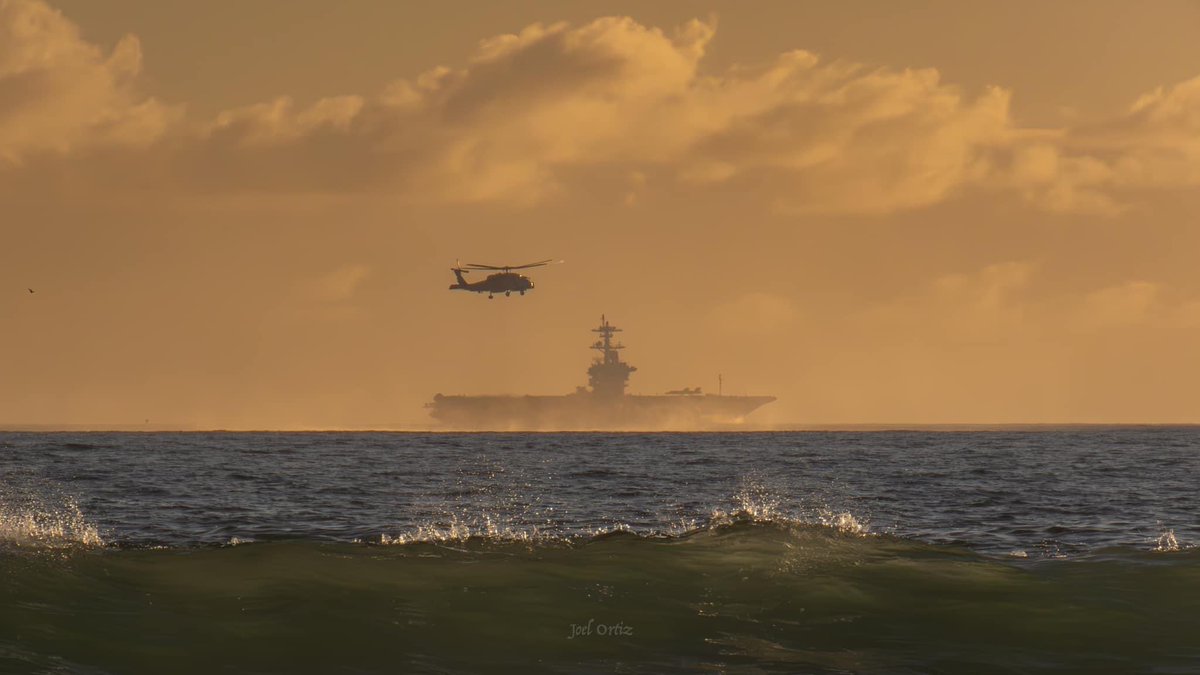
(912, 551)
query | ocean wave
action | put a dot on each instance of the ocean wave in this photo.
(75, 445)
(747, 593)
(456, 530)
(755, 504)
(747, 507)
(36, 513)
(1167, 542)
(47, 526)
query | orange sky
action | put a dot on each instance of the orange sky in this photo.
(939, 212)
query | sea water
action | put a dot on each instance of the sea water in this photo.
(921, 551)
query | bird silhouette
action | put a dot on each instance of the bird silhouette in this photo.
(30, 290)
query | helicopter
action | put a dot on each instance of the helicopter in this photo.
(503, 281)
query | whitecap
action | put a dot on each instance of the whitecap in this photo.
(41, 524)
(1167, 542)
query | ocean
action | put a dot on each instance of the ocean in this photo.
(1038, 550)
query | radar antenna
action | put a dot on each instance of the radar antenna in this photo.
(608, 374)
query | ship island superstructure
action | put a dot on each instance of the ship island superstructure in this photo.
(602, 405)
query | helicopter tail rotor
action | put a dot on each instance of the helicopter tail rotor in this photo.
(458, 274)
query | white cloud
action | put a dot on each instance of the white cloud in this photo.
(755, 315)
(528, 107)
(985, 305)
(836, 139)
(1127, 303)
(524, 114)
(1002, 303)
(340, 284)
(58, 92)
(1100, 168)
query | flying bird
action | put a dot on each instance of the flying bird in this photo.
(30, 290)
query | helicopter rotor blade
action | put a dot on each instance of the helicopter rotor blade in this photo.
(536, 264)
(506, 268)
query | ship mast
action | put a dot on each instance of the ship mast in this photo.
(608, 374)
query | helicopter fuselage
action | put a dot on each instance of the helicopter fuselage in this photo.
(501, 282)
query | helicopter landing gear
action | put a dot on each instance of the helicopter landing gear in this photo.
(507, 293)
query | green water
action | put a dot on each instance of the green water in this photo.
(741, 596)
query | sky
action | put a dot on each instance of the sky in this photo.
(243, 215)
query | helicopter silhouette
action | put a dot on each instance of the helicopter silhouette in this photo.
(503, 281)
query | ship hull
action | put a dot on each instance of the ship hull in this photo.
(586, 411)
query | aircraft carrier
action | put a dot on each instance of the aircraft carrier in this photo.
(602, 405)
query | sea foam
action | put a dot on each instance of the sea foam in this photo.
(50, 525)
(749, 505)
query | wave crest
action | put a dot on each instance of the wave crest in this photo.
(1167, 542)
(50, 526)
(460, 530)
(751, 506)
(754, 504)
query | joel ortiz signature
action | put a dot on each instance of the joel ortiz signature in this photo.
(590, 628)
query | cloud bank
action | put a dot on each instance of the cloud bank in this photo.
(527, 113)
(58, 93)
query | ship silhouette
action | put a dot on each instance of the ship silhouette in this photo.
(602, 405)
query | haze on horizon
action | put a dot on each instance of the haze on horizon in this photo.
(933, 212)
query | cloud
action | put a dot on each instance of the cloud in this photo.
(524, 116)
(754, 315)
(1099, 168)
(59, 92)
(985, 305)
(340, 284)
(1003, 303)
(1128, 303)
(836, 138)
(529, 108)
(1061, 183)
(1158, 143)
(501, 128)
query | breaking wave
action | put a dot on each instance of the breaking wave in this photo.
(38, 516)
(749, 506)
(747, 591)
(1167, 542)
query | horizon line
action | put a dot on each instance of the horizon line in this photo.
(431, 428)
